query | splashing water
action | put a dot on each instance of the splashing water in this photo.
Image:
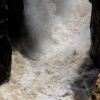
(56, 24)
(58, 40)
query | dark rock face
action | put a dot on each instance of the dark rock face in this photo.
(5, 58)
(95, 33)
(3, 17)
(5, 47)
(15, 17)
(11, 18)
(96, 3)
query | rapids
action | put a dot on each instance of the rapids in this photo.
(58, 42)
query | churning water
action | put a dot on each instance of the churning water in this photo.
(58, 42)
(57, 24)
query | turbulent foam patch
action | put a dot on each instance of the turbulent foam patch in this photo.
(60, 40)
(52, 23)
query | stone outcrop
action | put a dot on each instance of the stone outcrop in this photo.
(5, 47)
(95, 32)
(11, 17)
(95, 43)
(96, 91)
(5, 58)
(15, 17)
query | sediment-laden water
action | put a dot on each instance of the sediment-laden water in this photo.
(58, 44)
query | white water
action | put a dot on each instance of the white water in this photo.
(58, 40)
(57, 24)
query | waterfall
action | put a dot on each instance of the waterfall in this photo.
(54, 24)
(58, 41)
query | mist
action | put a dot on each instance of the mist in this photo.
(57, 38)
(52, 23)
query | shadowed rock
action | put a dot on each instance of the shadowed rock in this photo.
(15, 17)
(11, 18)
(5, 58)
(95, 32)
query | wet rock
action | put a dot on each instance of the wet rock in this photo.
(15, 17)
(96, 91)
(5, 47)
(95, 32)
(11, 18)
(5, 58)
(95, 44)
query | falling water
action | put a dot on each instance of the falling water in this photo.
(60, 32)
(57, 24)
(58, 41)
